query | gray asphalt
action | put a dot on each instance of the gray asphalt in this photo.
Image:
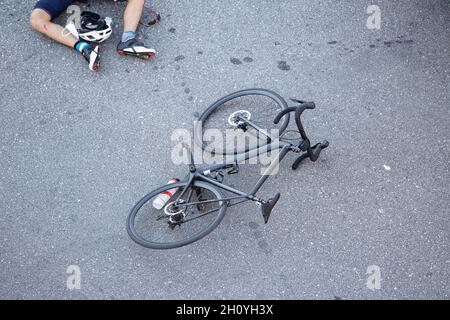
(78, 149)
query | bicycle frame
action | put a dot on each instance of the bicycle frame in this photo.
(202, 172)
(304, 145)
(188, 194)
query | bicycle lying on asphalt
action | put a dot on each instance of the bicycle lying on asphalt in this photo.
(182, 212)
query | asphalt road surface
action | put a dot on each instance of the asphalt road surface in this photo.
(78, 149)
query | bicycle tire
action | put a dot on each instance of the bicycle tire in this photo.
(198, 133)
(155, 245)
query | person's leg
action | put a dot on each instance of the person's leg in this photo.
(129, 45)
(40, 20)
(44, 12)
(132, 15)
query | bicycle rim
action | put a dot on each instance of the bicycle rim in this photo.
(262, 104)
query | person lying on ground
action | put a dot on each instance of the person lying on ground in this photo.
(45, 11)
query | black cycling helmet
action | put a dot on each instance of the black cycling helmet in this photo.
(93, 27)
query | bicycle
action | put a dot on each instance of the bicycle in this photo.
(196, 205)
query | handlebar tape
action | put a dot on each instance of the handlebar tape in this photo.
(298, 112)
(282, 113)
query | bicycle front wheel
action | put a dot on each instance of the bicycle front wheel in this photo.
(214, 129)
(166, 226)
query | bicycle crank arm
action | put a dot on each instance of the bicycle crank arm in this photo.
(267, 207)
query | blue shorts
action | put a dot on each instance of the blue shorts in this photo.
(54, 7)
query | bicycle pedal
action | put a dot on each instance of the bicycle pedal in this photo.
(267, 207)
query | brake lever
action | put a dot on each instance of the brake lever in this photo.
(315, 150)
(312, 153)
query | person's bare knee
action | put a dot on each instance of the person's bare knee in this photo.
(38, 19)
(36, 23)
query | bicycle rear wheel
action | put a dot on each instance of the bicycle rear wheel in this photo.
(154, 228)
(213, 130)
